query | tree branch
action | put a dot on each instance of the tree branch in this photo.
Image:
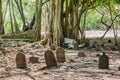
(102, 18)
(45, 2)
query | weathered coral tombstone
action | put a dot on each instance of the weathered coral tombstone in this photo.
(33, 59)
(98, 55)
(76, 46)
(81, 54)
(103, 61)
(50, 59)
(119, 68)
(21, 61)
(60, 55)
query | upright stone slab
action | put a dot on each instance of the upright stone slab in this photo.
(60, 54)
(20, 61)
(94, 44)
(50, 59)
(103, 61)
(109, 41)
(76, 46)
(98, 55)
(81, 54)
(119, 68)
(33, 59)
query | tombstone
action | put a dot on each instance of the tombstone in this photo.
(94, 44)
(87, 43)
(50, 59)
(102, 45)
(33, 59)
(119, 68)
(20, 61)
(76, 46)
(81, 54)
(60, 55)
(109, 41)
(98, 55)
(103, 61)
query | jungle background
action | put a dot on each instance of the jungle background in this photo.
(34, 26)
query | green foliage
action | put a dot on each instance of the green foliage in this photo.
(25, 3)
(28, 8)
(93, 17)
(93, 20)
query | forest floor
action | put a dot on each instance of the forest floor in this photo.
(99, 33)
(75, 68)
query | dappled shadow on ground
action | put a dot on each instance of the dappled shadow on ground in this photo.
(74, 68)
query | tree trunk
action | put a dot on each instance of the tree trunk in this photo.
(17, 30)
(38, 20)
(66, 32)
(20, 8)
(1, 21)
(83, 28)
(58, 26)
(51, 22)
(11, 19)
(75, 29)
(71, 18)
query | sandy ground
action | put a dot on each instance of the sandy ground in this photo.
(99, 33)
(75, 68)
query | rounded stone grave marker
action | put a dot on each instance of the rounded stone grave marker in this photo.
(98, 55)
(76, 46)
(81, 54)
(20, 61)
(60, 54)
(119, 68)
(103, 61)
(50, 59)
(109, 41)
(33, 59)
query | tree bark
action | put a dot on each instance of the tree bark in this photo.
(38, 20)
(83, 28)
(20, 8)
(11, 19)
(1, 20)
(59, 31)
(51, 22)
(75, 29)
(17, 30)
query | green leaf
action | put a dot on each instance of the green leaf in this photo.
(25, 3)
